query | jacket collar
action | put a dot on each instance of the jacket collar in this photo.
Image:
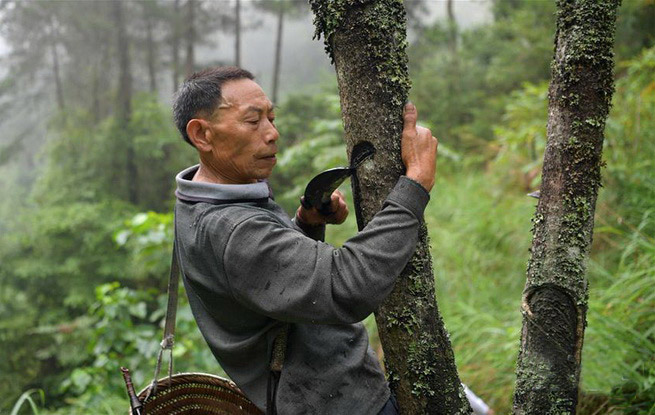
(190, 191)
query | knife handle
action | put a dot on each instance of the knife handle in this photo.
(326, 208)
(305, 203)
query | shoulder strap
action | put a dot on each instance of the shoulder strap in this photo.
(169, 324)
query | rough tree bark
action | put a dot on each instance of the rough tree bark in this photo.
(555, 297)
(367, 40)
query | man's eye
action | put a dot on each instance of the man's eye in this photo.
(253, 122)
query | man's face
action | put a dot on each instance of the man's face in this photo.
(243, 134)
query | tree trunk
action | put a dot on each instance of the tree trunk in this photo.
(452, 28)
(453, 95)
(151, 53)
(554, 301)
(124, 100)
(237, 34)
(59, 90)
(175, 44)
(278, 51)
(190, 37)
(367, 42)
(95, 92)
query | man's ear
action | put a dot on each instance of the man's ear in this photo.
(199, 133)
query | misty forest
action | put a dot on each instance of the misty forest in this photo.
(532, 282)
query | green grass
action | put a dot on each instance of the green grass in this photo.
(480, 233)
(26, 397)
(479, 238)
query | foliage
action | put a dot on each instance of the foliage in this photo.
(521, 136)
(621, 333)
(629, 152)
(86, 160)
(26, 397)
(83, 273)
(313, 142)
(467, 91)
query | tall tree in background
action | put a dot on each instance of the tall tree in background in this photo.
(237, 33)
(190, 36)
(124, 100)
(54, 43)
(150, 15)
(554, 301)
(282, 9)
(367, 42)
(278, 50)
(175, 44)
(452, 28)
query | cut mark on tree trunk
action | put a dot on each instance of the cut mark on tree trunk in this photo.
(360, 153)
(550, 345)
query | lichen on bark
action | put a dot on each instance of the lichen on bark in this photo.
(555, 297)
(366, 40)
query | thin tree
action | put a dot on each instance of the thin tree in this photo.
(190, 36)
(278, 50)
(237, 33)
(554, 301)
(452, 27)
(59, 90)
(124, 99)
(175, 43)
(282, 10)
(367, 42)
(148, 9)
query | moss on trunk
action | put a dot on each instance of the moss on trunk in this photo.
(555, 297)
(366, 40)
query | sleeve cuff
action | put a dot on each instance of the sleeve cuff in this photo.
(316, 232)
(411, 195)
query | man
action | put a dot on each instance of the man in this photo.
(250, 271)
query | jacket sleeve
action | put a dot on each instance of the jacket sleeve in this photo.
(316, 232)
(281, 273)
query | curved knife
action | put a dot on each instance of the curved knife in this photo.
(319, 190)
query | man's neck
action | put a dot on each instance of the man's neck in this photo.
(209, 174)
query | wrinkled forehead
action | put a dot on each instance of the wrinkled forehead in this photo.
(244, 95)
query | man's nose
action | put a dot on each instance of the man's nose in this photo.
(272, 134)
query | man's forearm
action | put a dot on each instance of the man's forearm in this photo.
(316, 232)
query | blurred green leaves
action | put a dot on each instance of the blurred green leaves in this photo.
(83, 271)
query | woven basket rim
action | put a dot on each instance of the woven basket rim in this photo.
(199, 379)
(187, 377)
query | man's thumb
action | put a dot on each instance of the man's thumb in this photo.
(409, 116)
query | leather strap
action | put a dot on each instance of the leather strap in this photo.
(171, 307)
(168, 340)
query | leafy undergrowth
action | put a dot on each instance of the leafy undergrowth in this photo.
(480, 236)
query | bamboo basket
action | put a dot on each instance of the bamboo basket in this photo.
(197, 394)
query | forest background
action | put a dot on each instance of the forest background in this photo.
(88, 155)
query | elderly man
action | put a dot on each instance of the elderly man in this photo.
(250, 271)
